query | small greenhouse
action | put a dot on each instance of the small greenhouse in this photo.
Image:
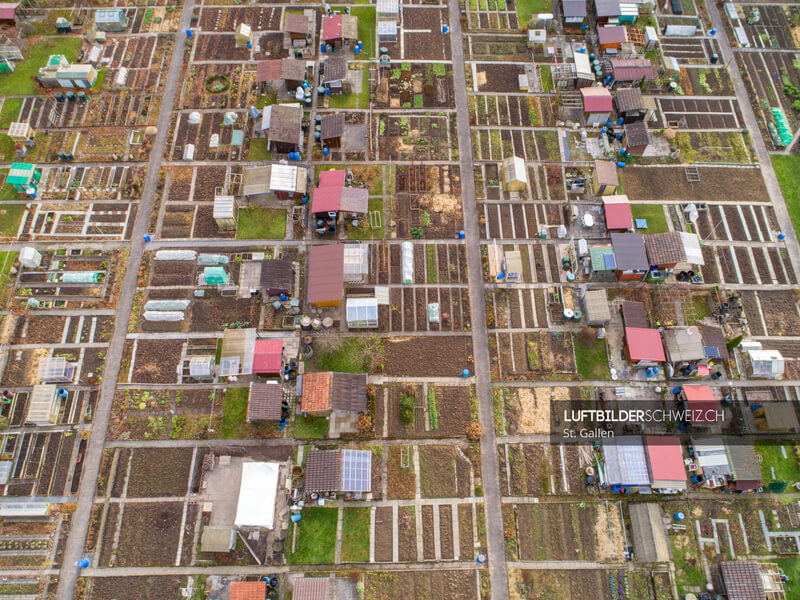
(356, 262)
(43, 405)
(201, 367)
(30, 257)
(213, 259)
(176, 255)
(166, 305)
(164, 315)
(407, 262)
(81, 277)
(56, 370)
(214, 276)
(362, 313)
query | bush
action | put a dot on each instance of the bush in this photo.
(474, 431)
(364, 423)
(407, 405)
(777, 487)
(734, 342)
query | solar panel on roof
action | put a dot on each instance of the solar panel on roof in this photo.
(711, 351)
(356, 471)
(609, 261)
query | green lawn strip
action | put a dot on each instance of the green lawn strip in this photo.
(258, 149)
(10, 111)
(311, 428)
(547, 78)
(591, 360)
(527, 8)
(355, 535)
(654, 214)
(791, 568)
(20, 82)
(787, 168)
(315, 541)
(256, 223)
(786, 469)
(365, 231)
(101, 78)
(234, 412)
(350, 355)
(10, 216)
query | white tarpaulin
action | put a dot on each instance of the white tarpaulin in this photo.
(407, 262)
(256, 507)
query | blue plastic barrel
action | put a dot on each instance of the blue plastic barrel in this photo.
(620, 164)
(584, 27)
(249, 44)
(282, 296)
(322, 47)
(713, 31)
(465, 373)
(445, 28)
(83, 563)
(616, 488)
(325, 151)
(462, 234)
(679, 516)
(604, 129)
(620, 121)
(781, 236)
(188, 32)
(147, 237)
(501, 276)
(619, 136)
(356, 50)
(296, 517)
(697, 479)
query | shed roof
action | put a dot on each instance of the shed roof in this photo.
(742, 580)
(325, 273)
(332, 178)
(109, 15)
(637, 134)
(631, 69)
(336, 27)
(323, 470)
(602, 258)
(293, 69)
(276, 274)
(574, 8)
(264, 401)
(596, 304)
(332, 126)
(665, 457)
(388, 7)
(41, 403)
(597, 100)
(296, 23)
(287, 178)
(349, 392)
(781, 416)
(285, 122)
(310, 588)
(605, 171)
(618, 214)
(268, 70)
(8, 10)
(650, 543)
(248, 590)
(514, 169)
(713, 337)
(626, 463)
(664, 248)
(336, 67)
(267, 356)
(629, 251)
(628, 99)
(744, 464)
(612, 34)
(316, 391)
(644, 344)
(683, 344)
(256, 180)
(702, 402)
(606, 8)
(634, 314)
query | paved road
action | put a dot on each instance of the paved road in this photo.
(770, 179)
(480, 351)
(94, 453)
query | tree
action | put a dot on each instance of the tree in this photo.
(733, 343)
(777, 487)
(474, 431)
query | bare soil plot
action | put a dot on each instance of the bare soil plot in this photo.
(441, 474)
(427, 42)
(170, 273)
(407, 534)
(401, 479)
(383, 541)
(135, 588)
(39, 329)
(716, 183)
(453, 585)
(159, 472)
(780, 312)
(421, 86)
(162, 523)
(499, 78)
(157, 361)
(754, 321)
(427, 357)
(560, 585)
(219, 47)
(226, 19)
(212, 313)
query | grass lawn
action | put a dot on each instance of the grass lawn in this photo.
(366, 28)
(101, 78)
(256, 223)
(787, 168)
(368, 233)
(234, 412)
(311, 428)
(786, 469)
(791, 568)
(591, 360)
(526, 8)
(689, 573)
(6, 262)
(547, 76)
(349, 354)
(355, 535)
(10, 111)
(258, 150)
(6, 148)
(654, 214)
(20, 82)
(10, 218)
(701, 307)
(316, 537)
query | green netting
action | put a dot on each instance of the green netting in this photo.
(783, 126)
(215, 276)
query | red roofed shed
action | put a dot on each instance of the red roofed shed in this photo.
(618, 213)
(702, 403)
(248, 590)
(334, 178)
(326, 274)
(665, 457)
(8, 11)
(268, 356)
(643, 345)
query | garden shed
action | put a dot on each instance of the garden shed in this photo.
(310, 588)
(214, 276)
(56, 370)
(201, 367)
(617, 209)
(21, 176)
(347, 471)
(362, 313)
(356, 262)
(20, 132)
(605, 178)
(110, 19)
(665, 460)
(598, 312)
(277, 277)
(326, 275)
(768, 364)
(387, 32)
(264, 401)
(515, 175)
(225, 212)
(625, 462)
(268, 356)
(43, 405)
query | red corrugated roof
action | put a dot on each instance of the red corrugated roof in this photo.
(596, 99)
(619, 216)
(334, 178)
(8, 10)
(702, 403)
(325, 273)
(267, 356)
(332, 28)
(644, 344)
(666, 458)
(326, 198)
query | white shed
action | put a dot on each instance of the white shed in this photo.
(767, 364)
(43, 405)
(257, 493)
(30, 258)
(362, 313)
(515, 176)
(225, 212)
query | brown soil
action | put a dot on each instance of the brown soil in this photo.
(446, 531)
(159, 472)
(161, 521)
(157, 361)
(135, 588)
(780, 312)
(716, 183)
(560, 585)
(466, 541)
(42, 329)
(428, 549)
(383, 541)
(402, 482)
(438, 471)
(452, 585)
(407, 534)
(210, 314)
(428, 357)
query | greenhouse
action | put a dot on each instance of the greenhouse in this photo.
(362, 313)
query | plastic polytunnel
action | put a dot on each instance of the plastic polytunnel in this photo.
(176, 255)
(213, 259)
(164, 315)
(214, 276)
(81, 277)
(408, 262)
(167, 305)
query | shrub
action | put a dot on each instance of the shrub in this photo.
(474, 431)
(407, 405)
(777, 487)
(364, 423)
(734, 342)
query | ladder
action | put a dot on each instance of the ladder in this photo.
(692, 174)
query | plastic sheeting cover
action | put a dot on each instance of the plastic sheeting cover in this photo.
(81, 277)
(256, 505)
(164, 315)
(433, 312)
(151, 305)
(176, 255)
(213, 259)
(408, 262)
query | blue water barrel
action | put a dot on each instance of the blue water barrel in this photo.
(713, 31)
(462, 234)
(584, 27)
(356, 50)
(620, 164)
(322, 47)
(282, 296)
(616, 488)
(697, 479)
(679, 516)
(249, 44)
(609, 123)
(465, 373)
(83, 563)
(501, 276)
(325, 151)
(188, 32)
(619, 136)
(296, 517)
(608, 78)
(781, 236)
(305, 199)
(620, 121)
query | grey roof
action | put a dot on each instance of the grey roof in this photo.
(629, 251)
(293, 69)
(627, 99)
(285, 123)
(650, 542)
(388, 6)
(296, 23)
(634, 314)
(349, 392)
(276, 274)
(743, 580)
(596, 304)
(332, 126)
(323, 471)
(714, 337)
(606, 8)
(336, 67)
(264, 401)
(683, 344)
(637, 134)
(744, 464)
(574, 8)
